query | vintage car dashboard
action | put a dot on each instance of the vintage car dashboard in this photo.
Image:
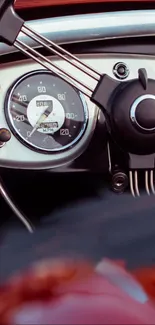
(57, 158)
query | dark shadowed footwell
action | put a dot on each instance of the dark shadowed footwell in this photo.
(95, 224)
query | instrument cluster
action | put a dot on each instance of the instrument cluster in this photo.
(51, 123)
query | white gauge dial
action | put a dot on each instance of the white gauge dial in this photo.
(46, 114)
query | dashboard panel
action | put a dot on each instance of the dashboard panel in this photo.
(16, 154)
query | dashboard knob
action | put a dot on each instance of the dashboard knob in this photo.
(143, 113)
(5, 136)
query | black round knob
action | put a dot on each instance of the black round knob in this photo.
(143, 113)
(5, 135)
(120, 70)
(119, 182)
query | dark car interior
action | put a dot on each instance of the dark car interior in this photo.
(77, 155)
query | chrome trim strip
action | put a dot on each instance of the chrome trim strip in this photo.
(82, 28)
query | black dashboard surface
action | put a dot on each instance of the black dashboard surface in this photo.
(78, 218)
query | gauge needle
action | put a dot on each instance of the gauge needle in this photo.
(42, 118)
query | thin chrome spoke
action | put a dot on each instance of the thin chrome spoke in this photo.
(136, 183)
(14, 208)
(56, 49)
(46, 63)
(131, 184)
(147, 182)
(152, 181)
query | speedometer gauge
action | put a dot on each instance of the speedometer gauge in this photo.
(45, 112)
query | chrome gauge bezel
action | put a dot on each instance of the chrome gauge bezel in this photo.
(17, 134)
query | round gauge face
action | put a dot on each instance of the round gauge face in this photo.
(45, 112)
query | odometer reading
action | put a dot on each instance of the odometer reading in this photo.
(45, 112)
